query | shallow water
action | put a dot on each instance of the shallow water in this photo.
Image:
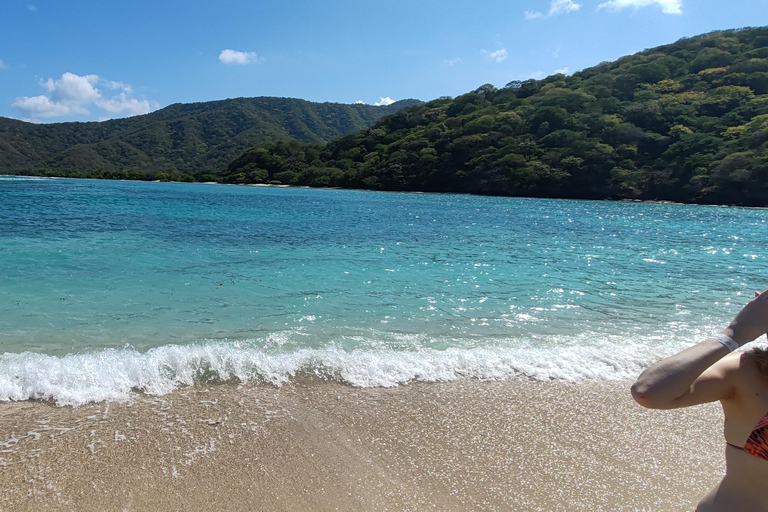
(109, 286)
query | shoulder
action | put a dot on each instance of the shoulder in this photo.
(745, 372)
(749, 382)
(752, 364)
(757, 360)
(746, 365)
(742, 364)
(733, 368)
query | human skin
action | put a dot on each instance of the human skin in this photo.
(707, 372)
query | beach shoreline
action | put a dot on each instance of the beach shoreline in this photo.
(519, 444)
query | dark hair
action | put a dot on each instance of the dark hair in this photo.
(760, 355)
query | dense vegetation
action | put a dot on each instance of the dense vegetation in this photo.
(182, 141)
(683, 122)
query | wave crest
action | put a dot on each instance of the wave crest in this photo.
(113, 374)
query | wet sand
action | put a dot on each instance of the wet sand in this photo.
(516, 445)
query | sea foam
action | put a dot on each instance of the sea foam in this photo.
(114, 374)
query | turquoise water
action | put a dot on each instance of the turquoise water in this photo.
(108, 287)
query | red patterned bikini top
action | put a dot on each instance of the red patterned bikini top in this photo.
(757, 444)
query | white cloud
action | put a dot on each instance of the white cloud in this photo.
(499, 55)
(73, 89)
(384, 102)
(2, 64)
(122, 104)
(74, 94)
(31, 7)
(119, 85)
(536, 74)
(563, 71)
(235, 57)
(555, 7)
(41, 106)
(360, 102)
(667, 6)
(453, 62)
(563, 6)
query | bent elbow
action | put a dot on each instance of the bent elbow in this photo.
(639, 395)
(644, 396)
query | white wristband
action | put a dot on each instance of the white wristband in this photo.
(726, 341)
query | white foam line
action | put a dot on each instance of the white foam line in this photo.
(112, 374)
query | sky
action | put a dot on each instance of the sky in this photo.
(94, 60)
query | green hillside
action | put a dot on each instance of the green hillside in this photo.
(684, 122)
(182, 138)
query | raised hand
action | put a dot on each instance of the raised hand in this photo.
(751, 322)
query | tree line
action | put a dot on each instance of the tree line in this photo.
(683, 122)
(181, 142)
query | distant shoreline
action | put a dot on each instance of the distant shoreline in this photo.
(275, 185)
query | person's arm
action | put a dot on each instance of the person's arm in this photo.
(694, 376)
(701, 373)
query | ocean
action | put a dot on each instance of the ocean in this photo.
(110, 288)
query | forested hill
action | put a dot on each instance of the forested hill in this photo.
(683, 122)
(180, 138)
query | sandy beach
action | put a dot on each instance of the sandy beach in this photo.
(504, 445)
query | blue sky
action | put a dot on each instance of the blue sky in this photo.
(86, 60)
